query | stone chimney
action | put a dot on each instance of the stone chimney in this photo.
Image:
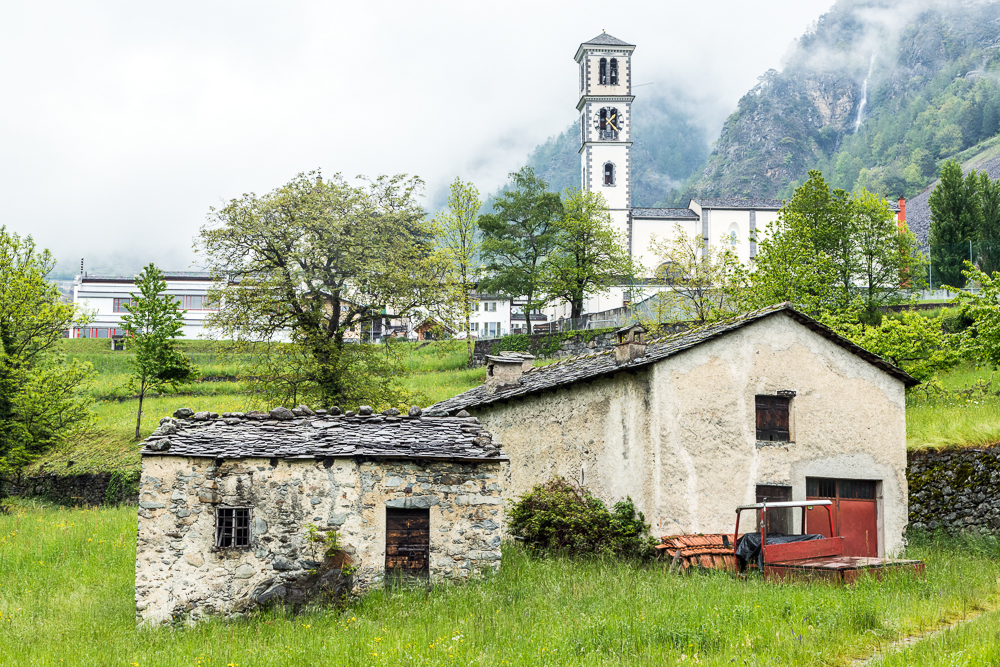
(505, 370)
(630, 344)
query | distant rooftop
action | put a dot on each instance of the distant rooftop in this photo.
(167, 275)
(740, 203)
(669, 213)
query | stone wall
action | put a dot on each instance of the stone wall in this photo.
(955, 489)
(181, 575)
(559, 345)
(83, 489)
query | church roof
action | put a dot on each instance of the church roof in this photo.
(669, 213)
(740, 203)
(604, 39)
(602, 364)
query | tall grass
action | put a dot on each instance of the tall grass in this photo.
(69, 601)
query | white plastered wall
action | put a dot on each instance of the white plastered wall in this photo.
(680, 438)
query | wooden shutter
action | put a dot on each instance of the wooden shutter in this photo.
(407, 542)
(772, 418)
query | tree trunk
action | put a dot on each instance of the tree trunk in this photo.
(138, 416)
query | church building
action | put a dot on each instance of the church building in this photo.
(605, 106)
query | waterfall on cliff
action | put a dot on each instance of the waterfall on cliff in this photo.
(864, 95)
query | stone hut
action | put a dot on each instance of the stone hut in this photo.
(771, 405)
(227, 505)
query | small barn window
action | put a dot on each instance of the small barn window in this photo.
(602, 72)
(609, 173)
(232, 527)
(614, 72)
(772, 418)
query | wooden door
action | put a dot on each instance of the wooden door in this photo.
(779, 519)
(855, 512)
(407, 542)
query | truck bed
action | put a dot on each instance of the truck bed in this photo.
(839, 569)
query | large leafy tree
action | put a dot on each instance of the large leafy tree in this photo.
(40, 392)
(517, 237)
(701, 277)
(153, 323)
(305, 269)
(832, 251)
(956, 222)
(459, 238)
(588, 256)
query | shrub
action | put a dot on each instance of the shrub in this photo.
(559, 516)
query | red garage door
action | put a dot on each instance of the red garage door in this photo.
(855, 515)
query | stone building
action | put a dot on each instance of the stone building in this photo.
(772, 404)
(226, 505)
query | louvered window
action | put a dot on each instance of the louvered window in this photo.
(772, 418)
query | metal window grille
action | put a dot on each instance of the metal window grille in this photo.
(232, 527)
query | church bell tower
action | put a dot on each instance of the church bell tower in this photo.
(605, 108)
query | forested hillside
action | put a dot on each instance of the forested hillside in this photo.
(877, 95)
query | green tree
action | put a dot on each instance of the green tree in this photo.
(700, 277)
(980, 341)
(832, 251)
(458, 229)
(153, 323)
(917, 344)
(988, 193)
(40, 392)
(956, 221)
(517, 237)
(313, 265)
(887, 255)
(588, 255)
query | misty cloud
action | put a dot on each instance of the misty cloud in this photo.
(124, 122)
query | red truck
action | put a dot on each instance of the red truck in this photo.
(813, 556)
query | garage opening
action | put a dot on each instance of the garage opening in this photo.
(855, 512)
(407, 543)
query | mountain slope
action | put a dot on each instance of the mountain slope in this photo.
(877, 96)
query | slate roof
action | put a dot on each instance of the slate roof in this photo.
(669, 213)
(740, 203)
(604, 39)
(602, 364)
(262, 435)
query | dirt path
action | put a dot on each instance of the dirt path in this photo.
(907, 642)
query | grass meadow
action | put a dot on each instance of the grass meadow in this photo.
(69, 600)
(434, 371)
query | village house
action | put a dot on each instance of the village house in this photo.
(769, 405)
(106, 297)
(231, 506)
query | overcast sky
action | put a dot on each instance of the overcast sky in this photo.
(122, 123)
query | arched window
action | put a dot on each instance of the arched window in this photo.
(609, 173)
(602, 72)
(603, 121)
(614, 71)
